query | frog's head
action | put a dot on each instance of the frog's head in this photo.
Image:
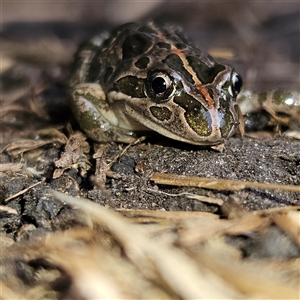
(175, 89)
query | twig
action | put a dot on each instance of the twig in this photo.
(190, 196)
(217, 184)
(137, 141)
(23, 191)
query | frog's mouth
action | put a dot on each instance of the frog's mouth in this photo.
(214, 138)
(174, 127)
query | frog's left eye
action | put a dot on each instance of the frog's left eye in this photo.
(236, 84)
(159, 86)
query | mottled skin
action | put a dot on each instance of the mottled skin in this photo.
(145, 77)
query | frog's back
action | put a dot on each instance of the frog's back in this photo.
(134, 49)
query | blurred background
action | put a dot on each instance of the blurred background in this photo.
(259, 38)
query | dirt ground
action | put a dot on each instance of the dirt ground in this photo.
(37, 128)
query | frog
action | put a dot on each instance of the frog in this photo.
(149, 77)
(145, 77)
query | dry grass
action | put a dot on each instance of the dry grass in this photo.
(153, 255)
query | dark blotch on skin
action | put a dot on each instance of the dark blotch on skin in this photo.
(161, 113)
(107, 74)
(131, 86)
(94, 70)
(180, 46)
(135, 45)
(175, 63)
(280, 96)
(142, 63)
(204, 73)
(174, 35)
(187, 102)
(226, 118)
(88, 121)
(147, 29)
(181, 35)
(123, 28)
(163, 45)
(197, 117)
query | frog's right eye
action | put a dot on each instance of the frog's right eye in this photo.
(159, 86)
(236, 84)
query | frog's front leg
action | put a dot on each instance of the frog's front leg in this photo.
(96, 118)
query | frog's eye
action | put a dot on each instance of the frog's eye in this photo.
(236, 84)
(159, 86)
